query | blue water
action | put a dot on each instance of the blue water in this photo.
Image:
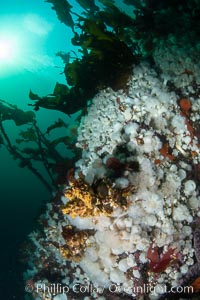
(37, 35)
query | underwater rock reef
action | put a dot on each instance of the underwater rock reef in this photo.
(127, 224)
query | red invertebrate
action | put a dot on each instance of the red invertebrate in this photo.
(159, 261)
(185, 106)
(165, 152)
(196, 285)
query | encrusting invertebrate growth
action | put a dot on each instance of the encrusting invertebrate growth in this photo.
(76, 242)
(99, 199)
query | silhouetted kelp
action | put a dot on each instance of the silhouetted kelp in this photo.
(32, 147)
(106, 59)
(62, 8)
(12, 112)
(111, 41)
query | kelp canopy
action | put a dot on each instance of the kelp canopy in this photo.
(110, 41)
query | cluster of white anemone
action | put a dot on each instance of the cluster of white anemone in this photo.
(165, 202)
